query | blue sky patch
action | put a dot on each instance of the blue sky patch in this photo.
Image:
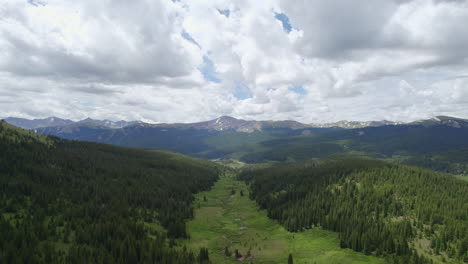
(242, 91)
(224, 12)
(209, 71)
(36, 3)
(298, 89)
(285, 21)
(187, 36)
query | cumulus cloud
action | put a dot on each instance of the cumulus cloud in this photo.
(107, 41)
(181, 61)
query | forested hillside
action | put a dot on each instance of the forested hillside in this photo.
(454, 161)
(284, 140)
(197, 141)
(75, 202)
(407, 214)
(395, 141)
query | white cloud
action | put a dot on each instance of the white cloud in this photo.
(128, 59)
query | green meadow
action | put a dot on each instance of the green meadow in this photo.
(462, 177)
(225, 218)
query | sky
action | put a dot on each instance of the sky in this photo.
(312, 61)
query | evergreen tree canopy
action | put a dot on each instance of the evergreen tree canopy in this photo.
(376, 207)
(77, 202)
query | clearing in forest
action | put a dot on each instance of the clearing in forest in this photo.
(226, 218)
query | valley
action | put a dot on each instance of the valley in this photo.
(75, 202)
(226, 218)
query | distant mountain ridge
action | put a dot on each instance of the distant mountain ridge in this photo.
(223, 123)
(358, 124)
(230, 123)
(443, 120)
(37, 123)
(108, 123)
(59, 122)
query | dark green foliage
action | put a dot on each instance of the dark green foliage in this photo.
(282, 143)
(237, 254)
(203, 256)
(378, 142)
(204, 143)
(284, 149)
(401, 139)
(290, 259)
(377, 208)
(453, 161)
(188, 141)
(286, 144)
(99, 201)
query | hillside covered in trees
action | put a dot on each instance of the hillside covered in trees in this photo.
(75, 202)
(406, 214)
(454, 161)
(264, 141)
(401, 142)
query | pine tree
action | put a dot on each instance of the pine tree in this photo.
(237, 254)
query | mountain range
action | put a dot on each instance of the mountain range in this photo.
(36, 123)
(278, 141)
(219, 124)
(56, 125)
(59, 122)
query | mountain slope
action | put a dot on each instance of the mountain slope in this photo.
(391, 141)
(407, 214)
(260, 141)
(213, 138)
(78, 202)
(454, 161)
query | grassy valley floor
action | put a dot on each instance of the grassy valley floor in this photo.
(462, 177)
(234, 221)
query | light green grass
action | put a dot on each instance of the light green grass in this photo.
(462, 177)
(235, 221)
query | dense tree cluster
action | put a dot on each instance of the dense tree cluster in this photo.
(76, 202)
(284, 149)
(377, 208)
(454, 161)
